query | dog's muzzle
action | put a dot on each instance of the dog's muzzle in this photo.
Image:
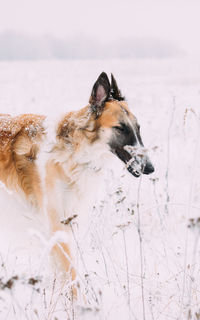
(139, 162)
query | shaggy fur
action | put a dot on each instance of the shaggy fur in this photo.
(105, 126)
(20, 139)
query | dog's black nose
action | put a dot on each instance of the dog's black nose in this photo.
(149, 168)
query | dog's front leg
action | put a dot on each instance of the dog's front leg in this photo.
(61, 249)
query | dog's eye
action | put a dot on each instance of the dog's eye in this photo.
(119, 128)
(122, 128)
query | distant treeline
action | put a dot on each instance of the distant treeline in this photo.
(16, 46)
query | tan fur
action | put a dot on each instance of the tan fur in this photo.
(113, 113)
(20, 138)
(76, 126)
(73, 131)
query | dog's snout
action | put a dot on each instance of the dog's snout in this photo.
(149, 168)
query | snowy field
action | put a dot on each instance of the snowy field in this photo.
(137, 258)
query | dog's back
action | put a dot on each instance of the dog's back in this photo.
(20, 139)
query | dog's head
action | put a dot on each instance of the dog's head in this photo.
(117, 126)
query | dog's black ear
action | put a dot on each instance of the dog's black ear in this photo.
(115, 92)
(100, 93)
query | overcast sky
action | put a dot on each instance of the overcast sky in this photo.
(106, 20)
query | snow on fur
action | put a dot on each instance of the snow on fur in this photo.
(137, 245)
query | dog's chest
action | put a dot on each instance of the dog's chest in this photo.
(80, 196)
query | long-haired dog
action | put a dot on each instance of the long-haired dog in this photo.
(105, 126)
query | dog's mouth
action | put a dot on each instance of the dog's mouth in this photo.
(133, 163)
(135, 172)
(135, 159)
(135, 166)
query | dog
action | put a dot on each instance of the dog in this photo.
(104, 127)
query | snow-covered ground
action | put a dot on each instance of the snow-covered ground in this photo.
(137, 257)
